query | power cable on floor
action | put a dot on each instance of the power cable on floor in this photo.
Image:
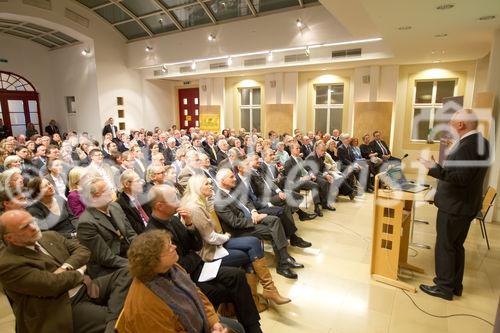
(446, 316)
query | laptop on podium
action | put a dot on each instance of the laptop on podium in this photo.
(400, 182)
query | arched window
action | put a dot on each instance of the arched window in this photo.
(19, 106)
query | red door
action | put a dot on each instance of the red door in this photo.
(189, 107)
(18, 109)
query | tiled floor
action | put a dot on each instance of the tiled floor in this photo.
(334, 292)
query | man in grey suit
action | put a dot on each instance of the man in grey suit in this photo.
(104, 229)
(43, 274)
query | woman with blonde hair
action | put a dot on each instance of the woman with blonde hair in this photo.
(75, 184)
(241, 251)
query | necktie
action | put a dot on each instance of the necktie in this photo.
(242, 207)
(384, 151)
(144, 216)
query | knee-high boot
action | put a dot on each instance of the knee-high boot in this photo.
(252, 283)
(266, 280)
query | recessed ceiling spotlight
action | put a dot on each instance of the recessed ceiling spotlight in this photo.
(229, 61)
(299, 23)
(270, 56)
(436, 61)
(193, 65)
(85, 52)
(164, 68)
(211, 38)
(487, 18)
(445, 6)
(405, 27)
(323, 69)
(440, 35)
(148, 48)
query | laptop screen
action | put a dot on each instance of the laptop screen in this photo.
(396, 175)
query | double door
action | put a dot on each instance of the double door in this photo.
(17, 109)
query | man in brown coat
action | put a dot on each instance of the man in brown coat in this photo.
(43, 276)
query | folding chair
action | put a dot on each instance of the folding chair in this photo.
(488, 199)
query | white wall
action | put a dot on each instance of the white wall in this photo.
(158, 104)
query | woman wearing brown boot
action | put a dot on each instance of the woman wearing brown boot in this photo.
(244, 252)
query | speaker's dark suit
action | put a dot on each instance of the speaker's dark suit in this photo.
(458, 198)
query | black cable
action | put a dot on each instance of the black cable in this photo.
(445, 316)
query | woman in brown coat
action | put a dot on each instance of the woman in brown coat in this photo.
(162, 297)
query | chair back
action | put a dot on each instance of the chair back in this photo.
(488, 199)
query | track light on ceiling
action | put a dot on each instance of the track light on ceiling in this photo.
(229, 61)
(308, 51)
(193, 65)
(148, 48)
(299, 23)
(164, 68)
(270, 56)
(85, 52)
(211, 38)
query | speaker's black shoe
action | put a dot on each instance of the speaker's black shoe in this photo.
(299, 242)
(286, 272)
(458, 292)
(291, 263)
(436, 292)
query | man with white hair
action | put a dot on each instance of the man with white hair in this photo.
(169, 151)
(211, 149)
(223, 149)
(233, 155)
(458, 198)
(243, 220)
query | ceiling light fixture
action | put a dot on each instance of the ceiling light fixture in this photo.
(308, 51)
(299, 23)
(211, 38)
(405, 27)
(487, 18)
(148, 48)
(445, 6)
(164, 68)
(230, 61)
(270, 56)
(436, 61)
(85, 52)
(193, 65)
(440, 35)
(266, 52)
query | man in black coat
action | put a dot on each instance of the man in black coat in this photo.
(229, 285)
(382, 149)
(211, 149)
(52, 128)
(458, 198)
(110, 128)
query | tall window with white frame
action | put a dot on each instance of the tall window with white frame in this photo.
(328, 107)
(250, 106)
(427, 100)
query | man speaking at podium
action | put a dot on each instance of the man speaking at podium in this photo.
(458, 198)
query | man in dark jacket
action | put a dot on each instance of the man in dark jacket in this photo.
(458, 198)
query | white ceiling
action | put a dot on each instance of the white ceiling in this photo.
(467, 37)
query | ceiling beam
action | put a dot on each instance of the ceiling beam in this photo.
(132, 15)
(169, 14)
(252, 7)
(301, 3)
(207, 10)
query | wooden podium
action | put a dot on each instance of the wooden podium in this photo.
(392, 214)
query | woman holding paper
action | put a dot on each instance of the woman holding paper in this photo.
(240, 251)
